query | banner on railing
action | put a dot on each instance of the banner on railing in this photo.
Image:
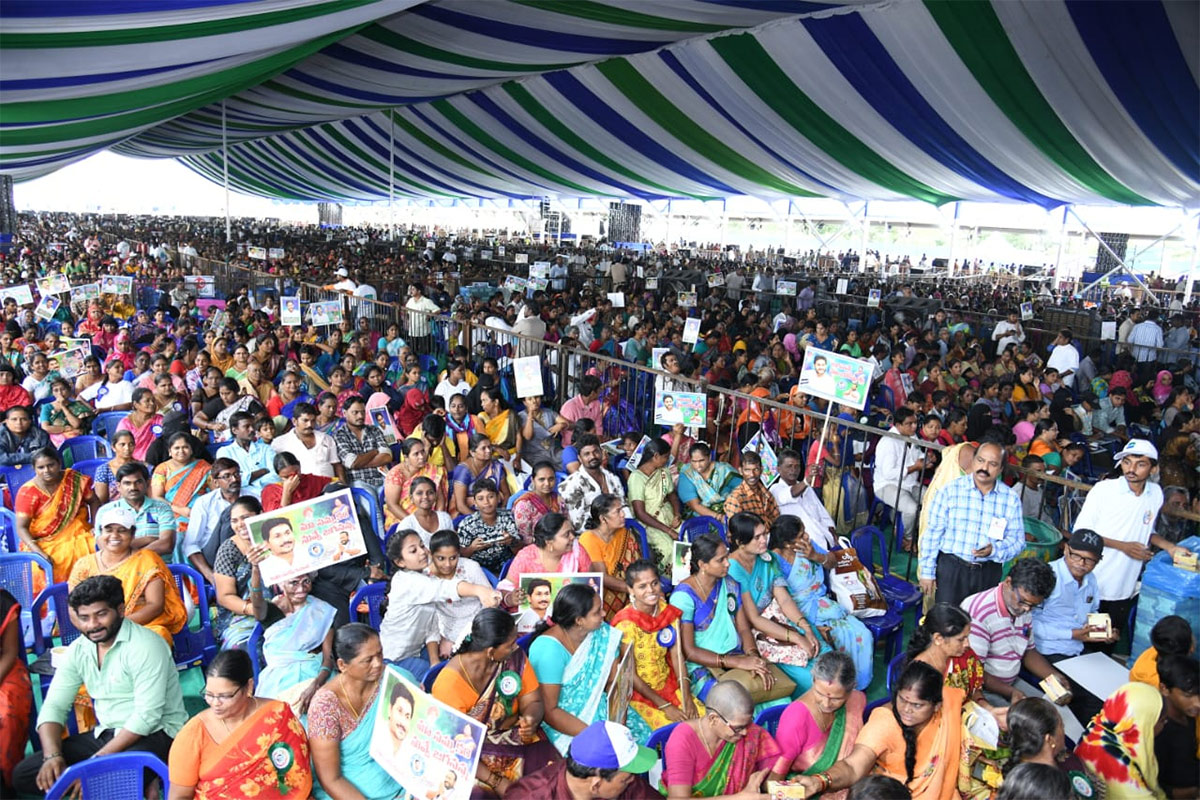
(275, 252)
(835, 377)
(204, 286)
(328, 312)
(257, 253)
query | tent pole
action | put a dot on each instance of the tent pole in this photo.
(1121, 265)
(953, 241)
(1187, 290)
(391, 176)
(225, 169)
(866, 230)
(1062, 243)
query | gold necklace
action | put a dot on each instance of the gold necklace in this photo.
(356, 713)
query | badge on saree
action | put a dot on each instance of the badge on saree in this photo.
(508, 686)
(282, 759)
(731, 603)
(1081, 784)
(666, 636)
(156, 430)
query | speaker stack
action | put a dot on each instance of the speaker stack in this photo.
(624, 222)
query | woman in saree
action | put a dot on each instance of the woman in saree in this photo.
(52, 515)
(241, 359)
(783, 635)
(942, 641)
(180, 480)
(554, 549)
(313, 379)
(218, 353)
(704, 483)
(297, 644)
(721, 755)
(461, 425)
(540, 500)
(11, 392)
(268, 356)
(820, 726)
(573, 660)
(144, 422)
(501, 425)
(327, 414)
(151, 597)
(282, 404)
(397, 486)
(803, 567)
(509, 704)
(241, 745)
(1118, 745)
(478, 464)
(16, 693)
(612, 547)
(716, 635)
(341, 720)
(237, 578)
(915, 739)
(650, 626)
(65, 418)
(105, 482)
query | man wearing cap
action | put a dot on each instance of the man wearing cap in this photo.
(1060, 628)
(603, 761)
(1122, 511)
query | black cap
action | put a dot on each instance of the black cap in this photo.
(1085, 539)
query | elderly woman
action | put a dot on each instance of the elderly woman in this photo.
(572, 660)
(64, 418)
(52, 514)
(820, 727)
(151, 597)
(514, 744)
(540, 500)
(915, 740)
(341, 721)
(230, 748)
(397, 494)
(718, 641)
(297, 644)
(722, 754)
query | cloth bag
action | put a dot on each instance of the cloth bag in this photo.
(854, 586)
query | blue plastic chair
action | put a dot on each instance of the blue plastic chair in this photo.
(895, 589)
(658, 738)
(8, 531)
(504, 569)
(254, 649)
(83, 448)
(769, 718)
(525, 641)
(514, 497)
(459, 519)
(372, 594)
(115, 775)
(105, 423)
(16, 575)
(889, 628)
(874, 704)
(14, 478)
(894, 668)
(431, 676)
(52, 600)
(696, 526)
(643, 539)
(364, 496)
(89, 466)
(194, 648)
(492, 579)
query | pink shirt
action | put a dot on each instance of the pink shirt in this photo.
(575, 409)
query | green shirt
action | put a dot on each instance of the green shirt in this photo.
(137, 688)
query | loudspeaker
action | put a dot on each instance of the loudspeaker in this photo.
(1118, 242)
(624, 222)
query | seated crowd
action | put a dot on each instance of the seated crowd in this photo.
(229, 416)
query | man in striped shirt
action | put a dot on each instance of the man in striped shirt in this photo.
(1002, 626)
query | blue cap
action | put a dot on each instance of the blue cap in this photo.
(607, 745)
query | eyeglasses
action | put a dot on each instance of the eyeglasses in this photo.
(228, 476)
(210, 697)
(1028, 605)
(738, 730)
(1081, 560)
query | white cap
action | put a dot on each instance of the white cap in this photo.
(342, 273)
(1138, 447)
(115, 514)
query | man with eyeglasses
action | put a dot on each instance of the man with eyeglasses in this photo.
(1001, 631)
(200, 542)
(1060, 628)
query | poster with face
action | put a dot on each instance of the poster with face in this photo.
(785, 288)
(257, 253)
(46, 308)
(519, 258)
(681, 562)
(691, 330)
(770, 462)
(716, 279)
(85, 292)
(290, 313)
(70, 362)
(1026, 311)
(430, 749)
(306, 536)
(21, 293)
(327, 312)
(538, 590)
(687, 299)
(528, 374)
(381, 418)
(674, 408)
(53, 284)
(836, 377)
(515, 283)
(873, 298)
(651, 283)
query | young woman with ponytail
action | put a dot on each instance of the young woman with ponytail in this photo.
(915, 740)
(509, 703)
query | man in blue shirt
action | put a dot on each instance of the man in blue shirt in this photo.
(1060, 628)
(254, 458)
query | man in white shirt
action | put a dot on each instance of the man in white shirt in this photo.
(794, 496)
(1123, 510)
(419, 327)
(1064, 357)
(530, 323)
(897, 467)
(1008, 332)
(315, 450)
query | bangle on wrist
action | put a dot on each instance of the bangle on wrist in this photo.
(51, 757)
(721, 661)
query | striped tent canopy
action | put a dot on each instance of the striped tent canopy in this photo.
(1035, 101)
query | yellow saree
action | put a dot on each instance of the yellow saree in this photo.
(135, 574)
